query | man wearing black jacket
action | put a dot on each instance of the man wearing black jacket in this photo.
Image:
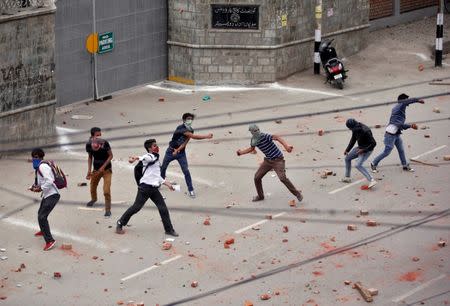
(362, 134)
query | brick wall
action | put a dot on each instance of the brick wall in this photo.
(381, 8)
(410, 5)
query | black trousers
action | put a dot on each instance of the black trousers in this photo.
(143, 194)
(45, 209)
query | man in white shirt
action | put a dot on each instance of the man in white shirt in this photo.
(149, 188)
(44, 183)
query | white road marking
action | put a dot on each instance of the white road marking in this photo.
(258, 223)
(57, 233)
(347, 186)
(429, 152)
(417, 289)
(89, 208)
(151, 268)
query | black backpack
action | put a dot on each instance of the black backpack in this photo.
(139, 169)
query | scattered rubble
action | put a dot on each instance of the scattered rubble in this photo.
(377, 126)
(436, 110)
(82, 184)
(351, 227)
(166, 246)
(446, 157)
(56, 274)
(363, 291)
(66, 246)
(415, 259)
(320, 132)
(269, 217)
(248, 303)
(427, 135)
(194, 284)
(420, 67)
(265, 297)
(347, 282)
(161, 99)
(373, 291)
(364, 212)
(371, 223)
(285, 229)
(442, 243)
(207, 221)
(278, 121)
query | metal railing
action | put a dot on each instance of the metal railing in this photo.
(14, 6)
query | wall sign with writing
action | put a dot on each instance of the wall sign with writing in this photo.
(237, 17)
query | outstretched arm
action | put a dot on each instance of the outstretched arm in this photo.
(245, 151)
(198, 137)
(283, 142)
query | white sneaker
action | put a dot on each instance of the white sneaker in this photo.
(346, 180)
(192, 194)
(372, 183)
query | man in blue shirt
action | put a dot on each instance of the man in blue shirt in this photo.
(273, 160)
(177, 146)
(392, 137)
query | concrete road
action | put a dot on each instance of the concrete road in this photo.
(306, 265)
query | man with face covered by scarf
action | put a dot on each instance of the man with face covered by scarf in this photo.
(176, 150)
(273, 160)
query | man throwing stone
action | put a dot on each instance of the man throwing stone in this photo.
(274, 159)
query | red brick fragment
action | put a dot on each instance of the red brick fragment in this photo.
(56, 274)
(320, 132)
(140, 304)
(229, 241)
(415, 258)
(166, 246)
(206, 222)
(285, 240)
(66, 246)
(285, 229)
(371, 223)
(248, 303)
(120, 303)
(347, 282)
(291, 204)
(161, 99)
(265, 296)
(351, 227)
(373, 291)
(2, 297)
(226, 246)
(442, 243)
(364, 212)
(94, 257)
(269, 217)
(194, 284)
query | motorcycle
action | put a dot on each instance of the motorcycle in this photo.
(333, 66)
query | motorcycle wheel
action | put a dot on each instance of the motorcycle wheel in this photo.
(340, 83)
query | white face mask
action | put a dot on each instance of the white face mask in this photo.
(188, 122)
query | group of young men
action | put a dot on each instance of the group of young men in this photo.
(154, 174)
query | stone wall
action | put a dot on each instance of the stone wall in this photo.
(202, 55)
(27, 85)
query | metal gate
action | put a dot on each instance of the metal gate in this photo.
(137, 31)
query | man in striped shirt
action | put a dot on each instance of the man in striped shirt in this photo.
(273, 160)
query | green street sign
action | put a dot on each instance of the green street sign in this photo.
(105, 42)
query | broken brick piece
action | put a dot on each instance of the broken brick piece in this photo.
(120, 302)
(446, 157)
(22, 266)
(248, 303)
(364, 292)
(56, 274)
(226, 246)
(284, 240)
(285, 229)
(269, 217)
(427, 135)
(229, 241)
(166, 246)
(351, 227)
(39, 287)
(415, 258)
(373, 291)
(364, 212)
(66, 246)
(2, 297)
(347, 282)
(94, 257)
(377, 126)
(82, 184)
(371, 223)
(194, 284)
(140, 304)
(206, 222)
(320, 132)
(161, 99)
(291, 204)
(442, 243)
(265, 296)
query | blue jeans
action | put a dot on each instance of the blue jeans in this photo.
(361, 159)
(389, 142)
(182, 160)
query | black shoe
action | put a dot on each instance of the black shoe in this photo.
(107, 214)
(172, 233)
(408, 168)
(119, 229)
(90, 203)
(374, 168)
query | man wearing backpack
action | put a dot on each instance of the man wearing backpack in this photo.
(44, 182)
(148, 187)
(100, 156)
(176, 150)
